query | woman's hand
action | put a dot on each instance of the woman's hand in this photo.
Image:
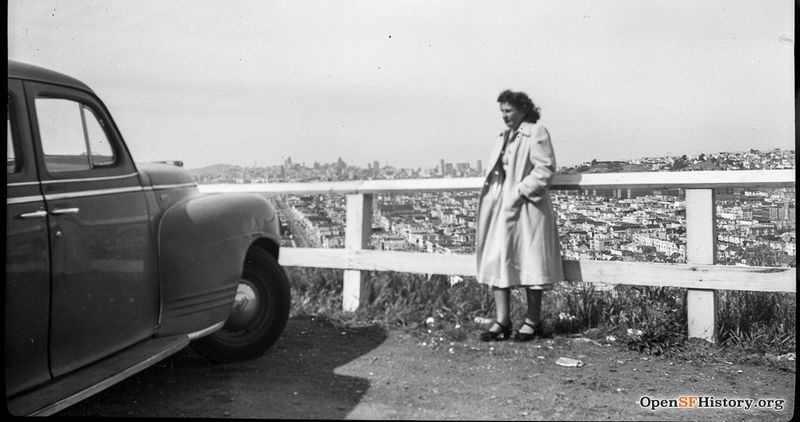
(517, 200)
(521, 197)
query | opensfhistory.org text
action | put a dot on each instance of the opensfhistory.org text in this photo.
(709, 402)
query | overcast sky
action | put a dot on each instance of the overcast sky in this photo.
(410, 82)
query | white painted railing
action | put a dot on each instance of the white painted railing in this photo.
(699, 275)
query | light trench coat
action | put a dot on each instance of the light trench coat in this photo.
(517, 237)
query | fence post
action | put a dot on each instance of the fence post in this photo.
(358, 231)
(701, 248)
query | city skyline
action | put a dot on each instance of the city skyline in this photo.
(208, 82)
(479, 165)
(291, 171)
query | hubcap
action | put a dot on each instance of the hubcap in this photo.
(245, 306)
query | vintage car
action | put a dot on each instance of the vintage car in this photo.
(112, 265)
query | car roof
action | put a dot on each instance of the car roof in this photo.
(19, 70)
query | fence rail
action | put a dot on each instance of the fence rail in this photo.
(716, 277)
(700, 275)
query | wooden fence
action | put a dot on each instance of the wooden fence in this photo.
(700, 275)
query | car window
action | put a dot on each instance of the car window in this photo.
(101, 152)
(12, 164)
(72, 136)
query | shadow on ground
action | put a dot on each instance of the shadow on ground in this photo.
(297, 378)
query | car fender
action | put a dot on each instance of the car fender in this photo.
(202, 243)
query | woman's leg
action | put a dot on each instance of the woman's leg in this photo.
(534, 314)
(502, 299)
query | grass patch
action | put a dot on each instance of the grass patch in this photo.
(651, 320)
(762, 321)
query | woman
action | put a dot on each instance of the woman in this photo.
(517, 238)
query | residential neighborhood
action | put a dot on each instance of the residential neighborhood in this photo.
(754, 227)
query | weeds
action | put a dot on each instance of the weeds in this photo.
(765, 322)
(650, 320)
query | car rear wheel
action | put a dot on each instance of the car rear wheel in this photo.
(259, 313)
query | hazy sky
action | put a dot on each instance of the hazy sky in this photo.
(410, 82)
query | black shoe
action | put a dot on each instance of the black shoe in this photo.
(537, 331)
(503, 334)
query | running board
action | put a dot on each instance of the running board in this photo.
(95, 378)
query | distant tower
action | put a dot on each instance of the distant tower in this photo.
(376, 165)
(341, 166)
(480, 167)
(441, 167)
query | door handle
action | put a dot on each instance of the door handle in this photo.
(35, 214)
(62, 211)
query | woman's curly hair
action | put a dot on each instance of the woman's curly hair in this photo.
(521, 102)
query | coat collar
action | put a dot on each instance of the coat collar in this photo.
(525, 128)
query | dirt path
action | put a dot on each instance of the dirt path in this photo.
(320, 371)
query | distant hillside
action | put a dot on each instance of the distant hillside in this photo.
(606, 167)
(625, 167)
(703, 165)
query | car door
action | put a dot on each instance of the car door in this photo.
(104, 288)
(27, 281)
